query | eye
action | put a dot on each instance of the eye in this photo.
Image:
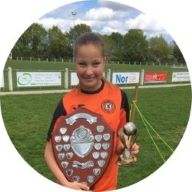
(96, 63)
(82, 64)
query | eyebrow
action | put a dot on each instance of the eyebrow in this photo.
(94, 59)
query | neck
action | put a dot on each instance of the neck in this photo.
(93, 91)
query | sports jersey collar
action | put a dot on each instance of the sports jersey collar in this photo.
(93, 92)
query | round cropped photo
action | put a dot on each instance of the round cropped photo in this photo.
(95, 95)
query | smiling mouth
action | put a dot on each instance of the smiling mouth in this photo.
(89, 79)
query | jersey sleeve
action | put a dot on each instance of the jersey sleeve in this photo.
(124, 111)
(59, 111)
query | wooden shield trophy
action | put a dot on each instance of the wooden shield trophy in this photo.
(82, 144)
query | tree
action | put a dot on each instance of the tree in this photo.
(116, 48)
(178, 54)
(77, 30)
(38, 39)
(32, 43)
(159, 50)
(58, 46)
(135, 46)
(108, 46)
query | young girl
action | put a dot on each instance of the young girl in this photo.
(99, 96)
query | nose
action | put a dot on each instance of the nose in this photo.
(89, 70)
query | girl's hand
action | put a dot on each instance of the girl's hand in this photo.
(134, 149)
(76, 185)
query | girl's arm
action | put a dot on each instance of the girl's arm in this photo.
(52, 164)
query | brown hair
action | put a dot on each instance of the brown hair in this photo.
(89, 38)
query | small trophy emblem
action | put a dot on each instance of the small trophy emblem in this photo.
(128, 136)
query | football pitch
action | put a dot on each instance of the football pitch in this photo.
(27, 119)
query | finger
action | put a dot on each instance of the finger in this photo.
(83, 186)
(135, 152)
(135, 147)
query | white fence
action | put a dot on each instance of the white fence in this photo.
(66, 78)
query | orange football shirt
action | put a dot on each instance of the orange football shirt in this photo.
(112, 104)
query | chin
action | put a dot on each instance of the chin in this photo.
(90, 82)
(88, 86)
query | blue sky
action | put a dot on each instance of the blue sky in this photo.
(104, 17)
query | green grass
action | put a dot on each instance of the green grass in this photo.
(27, 119)
(167, 110)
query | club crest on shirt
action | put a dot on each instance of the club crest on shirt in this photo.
(108, 106)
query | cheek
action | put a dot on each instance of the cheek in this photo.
(80, 70)
(99, 72)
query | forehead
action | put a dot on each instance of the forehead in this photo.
(89, 50)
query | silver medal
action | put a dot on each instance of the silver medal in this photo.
(90, 178)
(97, 146)
(101, 163)
(66, 147)
(61, 156)
(106, 137)
(64, 164)
(66, 138)
(96, 171)
(98, 138)
(69, 172)
(100, 128)
(63, 130)
(57, 138)
(104, 154)
(59, 148)
(105, 146)
(95, 155)
(75, 178)
(69, 155)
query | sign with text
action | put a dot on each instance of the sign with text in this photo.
(74, 79)
(125, 78)
(38, 79)
(155, 77)
(180, 76)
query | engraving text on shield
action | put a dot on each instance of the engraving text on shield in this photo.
(82, 141)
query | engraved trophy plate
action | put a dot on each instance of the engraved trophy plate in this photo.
(82, 144)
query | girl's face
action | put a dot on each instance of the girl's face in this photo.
(90, 65)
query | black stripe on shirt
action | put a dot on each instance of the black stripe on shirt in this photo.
(125, 104)
(59, 111)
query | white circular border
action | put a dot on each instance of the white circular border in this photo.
(16, 175)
